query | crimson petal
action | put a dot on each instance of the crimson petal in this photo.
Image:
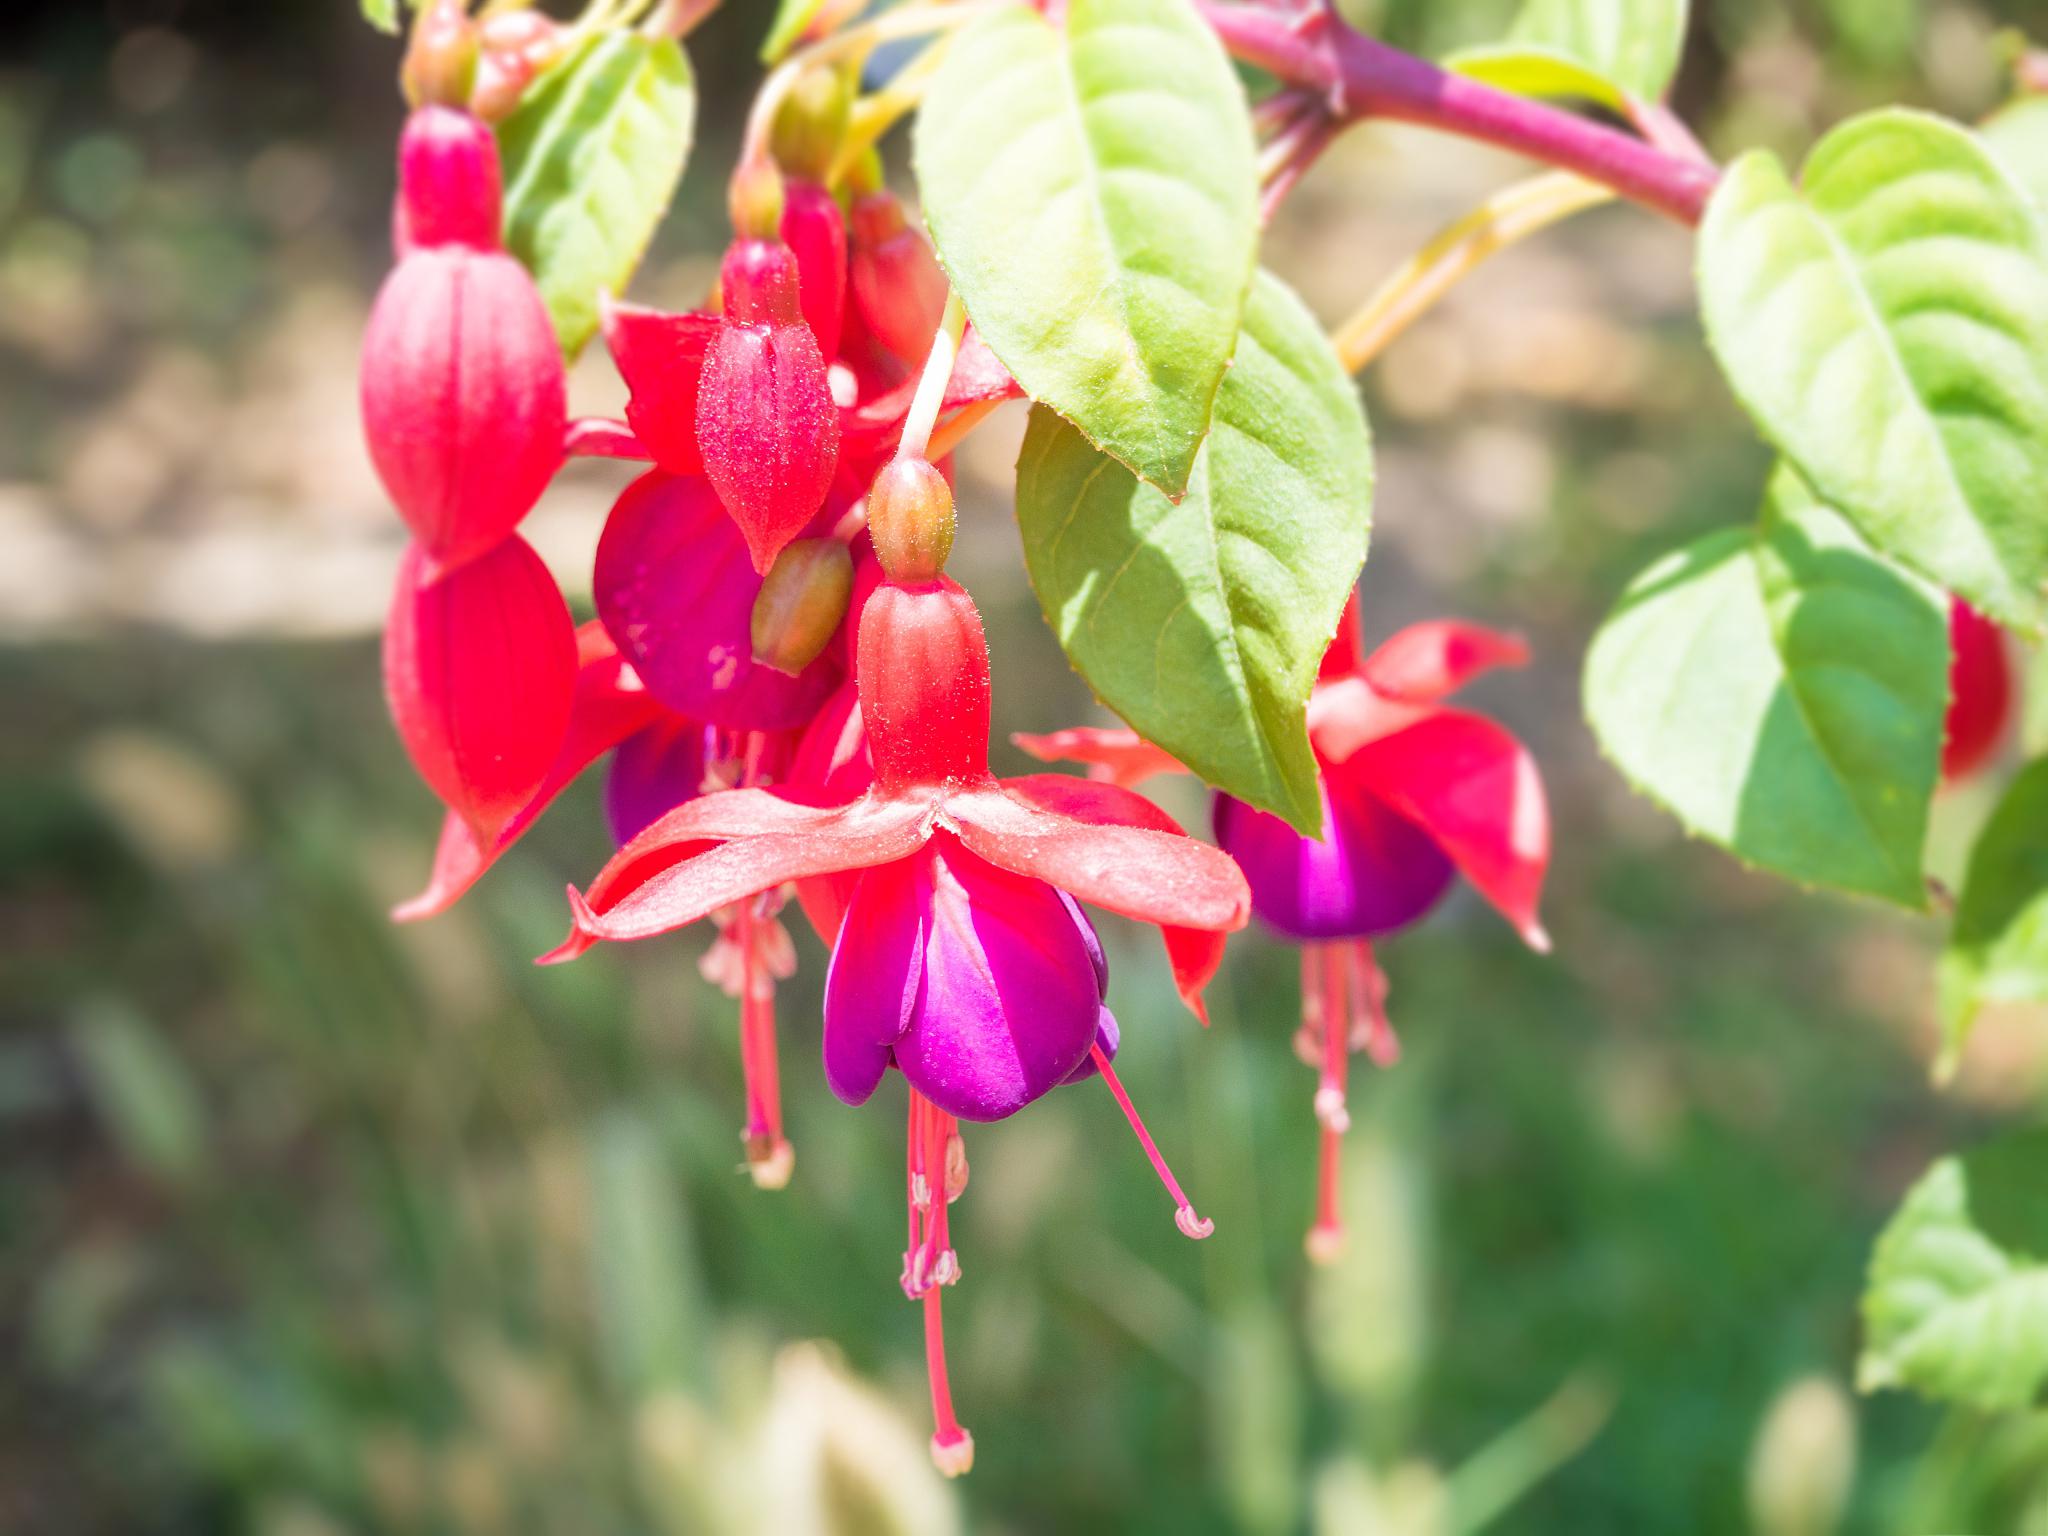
(609, 706)
(1155, 877)
(1475, 789)
(661, 358)
(1194, 953)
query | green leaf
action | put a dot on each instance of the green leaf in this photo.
(1093, 193)
(1957, 1304)
(1998, 952)
(1202, 623)
(1781, 691)
(592, 158)
(381, 14)
(1613, 52)
(2018, 136)
(142, 1090)
(791, 17)
(1887, 326)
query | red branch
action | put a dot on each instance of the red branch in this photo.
(1358, 77)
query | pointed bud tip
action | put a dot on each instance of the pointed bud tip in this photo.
(1192, 1225)
(953, 1452)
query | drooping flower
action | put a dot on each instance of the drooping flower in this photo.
(1413, 795)
(961, 957)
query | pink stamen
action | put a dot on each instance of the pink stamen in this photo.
(1184, 1217)
(1326, 1237)
(1369, 1007)
(770, 1158)
(952, 1446)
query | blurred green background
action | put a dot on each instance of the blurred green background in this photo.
(311, 1225)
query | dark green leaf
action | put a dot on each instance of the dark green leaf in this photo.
(1781, 691)
(1203, 623)
(1093, 193)
(592, 158)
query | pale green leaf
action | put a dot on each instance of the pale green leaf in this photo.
(1957, 1304)
(1613, 52)
(1781, 691)
(2018, 136)
(1202, 623)
(1886, 323)
(1998, 952)
(381, 14)
(1093, 193)
(791, 17)
(592, 158)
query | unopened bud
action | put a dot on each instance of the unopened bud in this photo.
(755, 199)
(811, 123)
(910, 517)
(801, 603)
(440, 64)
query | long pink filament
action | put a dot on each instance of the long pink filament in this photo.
(1326, 1237)
(1184, 1215)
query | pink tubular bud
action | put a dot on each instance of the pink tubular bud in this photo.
(910, 519)
(448, 182)
(440, 65)
(766, 422)
(815, 232)
(479, 672)
(897, 283)
(924, 689)
(464, 402)
(801, 604)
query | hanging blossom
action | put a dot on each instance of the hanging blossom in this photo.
(1413, 794)
(960, 954)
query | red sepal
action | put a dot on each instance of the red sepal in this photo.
(480, 671)
(815, 230)
(610, 705)
(1980, 692)
(923, 672)
(661, 358)
(1194, 953)
(1113, 755)
(1476, 790)
(1428, 662)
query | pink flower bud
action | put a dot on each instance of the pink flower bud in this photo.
(448, 182)
(815, 231)
(897, 282)
(661, 358)
(463, 397)
(479, 673)
(766, 423)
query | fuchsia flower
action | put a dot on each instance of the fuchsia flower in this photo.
(1980, 692)
(1413, 794)
(962, 959)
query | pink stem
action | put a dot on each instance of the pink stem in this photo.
(1184, 1215)
(1361, 77)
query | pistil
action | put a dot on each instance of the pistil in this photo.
(1184, 1217)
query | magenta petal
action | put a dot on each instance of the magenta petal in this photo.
(1009, 1002)
(1108, 1037)
(872, 989)
(652, 772)
(676, 590)
(1373, 873)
